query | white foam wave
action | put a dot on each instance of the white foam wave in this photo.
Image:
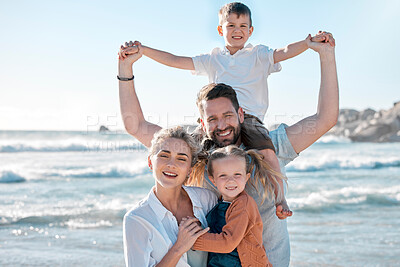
(347, 196)
(325, 163)
(71, 144)
(108, 171)
(82, 224)
(11, 177)
(333, 139)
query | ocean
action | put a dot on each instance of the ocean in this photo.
(63, 196)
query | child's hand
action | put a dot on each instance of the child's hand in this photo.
(283, 212)
(189, 230)
(129, 49)
(323, 36)
(129, 53)
(327, 44)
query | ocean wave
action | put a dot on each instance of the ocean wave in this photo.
(342, 163)
(339, 199)
(102, 172)
(71, 146)
(92, 219)
(333, 139)
(10, 177)
(82, 224)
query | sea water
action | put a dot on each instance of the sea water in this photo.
(63, 196)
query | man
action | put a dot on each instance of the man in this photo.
(220, 120)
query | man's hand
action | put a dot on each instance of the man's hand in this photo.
(324, 42)
(321, 37)
(130, 53)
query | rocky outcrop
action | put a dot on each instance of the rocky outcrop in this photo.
(369, 125)
(103, 129)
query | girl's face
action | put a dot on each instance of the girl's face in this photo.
(229, 176)
(172, 163)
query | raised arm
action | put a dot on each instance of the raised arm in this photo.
(168, 59)
(305, 132)
(297, 48)
(132, 114)
(179, 62)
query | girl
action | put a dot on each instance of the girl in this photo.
(235, 237)
(151, 233)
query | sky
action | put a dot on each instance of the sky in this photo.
(58, 59)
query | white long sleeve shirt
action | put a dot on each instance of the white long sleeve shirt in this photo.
(150, 230)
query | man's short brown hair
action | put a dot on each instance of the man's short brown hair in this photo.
(235, 8)
(213, 91)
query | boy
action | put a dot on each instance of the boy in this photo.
(245, 68)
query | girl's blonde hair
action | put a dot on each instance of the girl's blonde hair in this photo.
(254, 165)
(175, 132)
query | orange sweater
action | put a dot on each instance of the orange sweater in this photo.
(243, 230)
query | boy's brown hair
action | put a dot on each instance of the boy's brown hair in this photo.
(235, 8)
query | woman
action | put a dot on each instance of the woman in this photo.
(151, 232)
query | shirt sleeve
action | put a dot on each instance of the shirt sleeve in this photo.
(137, 246)
(202, 64)
(266, 56)
(284, 149)
(237, 223)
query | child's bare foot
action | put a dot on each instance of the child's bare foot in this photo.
(282, 210)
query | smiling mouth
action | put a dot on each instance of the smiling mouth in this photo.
(230, 188)
(170, 174)
(237, 37)
(224, 133)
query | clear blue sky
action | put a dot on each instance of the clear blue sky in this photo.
(58, 61)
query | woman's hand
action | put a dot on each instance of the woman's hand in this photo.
(189, 230)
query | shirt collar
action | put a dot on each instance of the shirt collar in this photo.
(226, 51)
(156, 205)
(161, 211)
(195, 200)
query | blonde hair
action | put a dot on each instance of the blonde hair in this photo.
(175, 132)
(254, 164)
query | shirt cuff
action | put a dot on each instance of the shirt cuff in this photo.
(284, 149)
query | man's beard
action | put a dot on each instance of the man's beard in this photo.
(226, 142)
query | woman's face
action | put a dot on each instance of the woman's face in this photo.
(172, 163)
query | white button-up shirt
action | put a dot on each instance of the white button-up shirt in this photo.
(150, 229)
(246, 71)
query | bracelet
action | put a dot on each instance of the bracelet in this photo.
(125, 79)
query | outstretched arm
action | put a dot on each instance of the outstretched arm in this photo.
(132, 114)
(297, 48)
(305, 132)
(168, 59)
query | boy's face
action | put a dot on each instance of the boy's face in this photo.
(236, 31)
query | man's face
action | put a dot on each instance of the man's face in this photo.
(236, 31)
(221, 122)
